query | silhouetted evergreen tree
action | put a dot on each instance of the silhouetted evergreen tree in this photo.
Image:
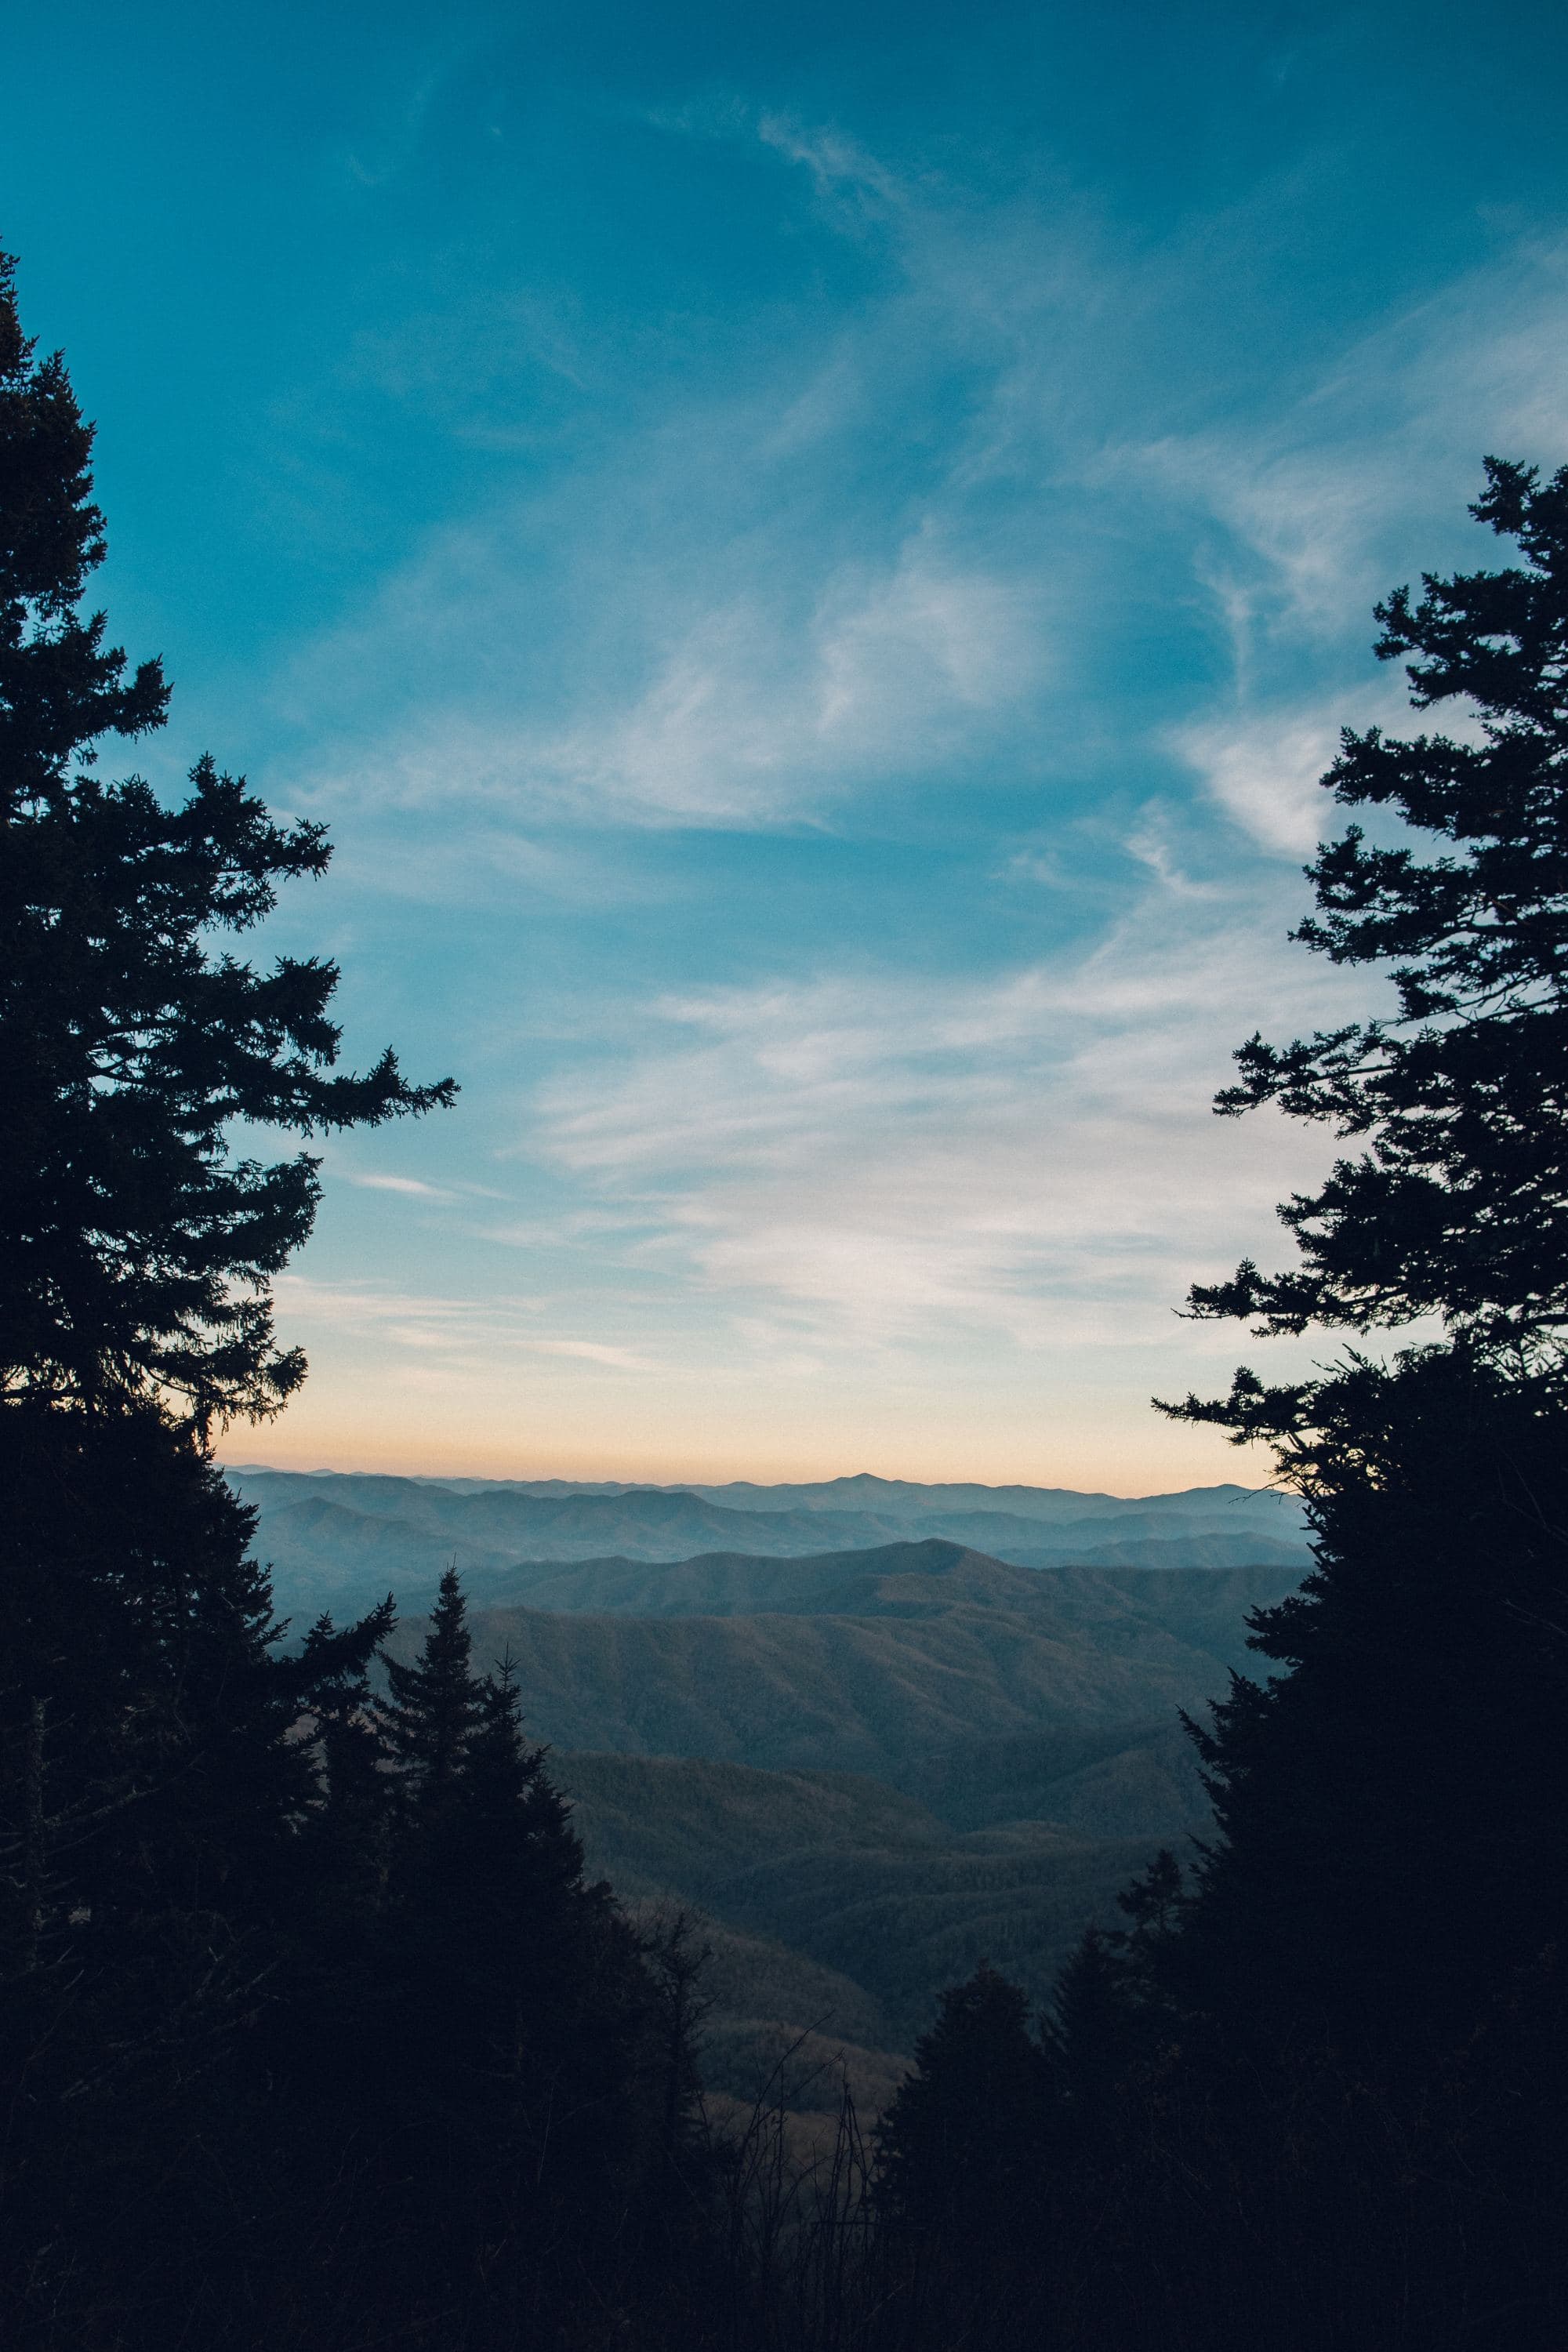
(1312, 2093)
(1458, 1206)
(138, 1247)
(311, 2034)
(965, 2128)
(960, 2155)
(519, 2134)
(1392, 1807)
(1368, 1976)
(1393, 1804)
(436, 1703)
(1091, 2037)
(154, 1786)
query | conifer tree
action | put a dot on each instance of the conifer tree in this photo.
(964, 2133)
(1089, 2033)
(1458, 1203)
(136, 1248)
(960, 2157)
(436, 1704)
(524, 2124)
(1381, 1799)
(1112, 2021)
(156, 1777)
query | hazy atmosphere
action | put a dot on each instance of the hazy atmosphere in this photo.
(810, 563)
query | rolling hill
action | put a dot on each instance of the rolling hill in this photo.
(864, 1748)
(884, 1658)
(867, 1771)
(342, 1542)
(883, 1899)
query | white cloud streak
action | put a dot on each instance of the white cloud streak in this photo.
(842, 1159)
(755, 650)
(881, 1160)
(463, 1338)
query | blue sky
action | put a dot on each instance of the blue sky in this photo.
(810, 557)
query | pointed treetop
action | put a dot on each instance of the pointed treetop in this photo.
(436, 1703)
(60, 688)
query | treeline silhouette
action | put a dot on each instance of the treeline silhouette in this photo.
(313, 2031)
(314, 2035)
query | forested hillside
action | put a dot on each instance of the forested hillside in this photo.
(1031, 1712)
(885, 1667)
(345, 1539)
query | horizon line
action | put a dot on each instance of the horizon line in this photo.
(677, 1485)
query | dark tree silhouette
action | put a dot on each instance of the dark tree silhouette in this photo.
(1380, 1799)
(1458, 1204)
(960, 2155)
(962, 2138)
(1370, 2043)
(436, 1703)
(138, 1247)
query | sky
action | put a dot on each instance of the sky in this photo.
(810, 557)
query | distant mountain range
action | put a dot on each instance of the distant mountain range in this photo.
(869, 1770)
(870, 1731)
(864, 1662)
(341, 1540)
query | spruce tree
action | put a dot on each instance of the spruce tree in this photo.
(1370, 2050)
(523, 2126)
(963, 2135)
(436, 1703)
(155, 1884)
(1456, 1204)
(157, 1775)
(1393, 1804)
(960, 2154)
(136, 1246)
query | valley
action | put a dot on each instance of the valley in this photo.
(861, 1753)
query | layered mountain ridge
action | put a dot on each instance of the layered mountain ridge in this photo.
(342, 1540)
(868, 1732)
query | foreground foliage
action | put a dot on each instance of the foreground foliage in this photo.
(311, 2031)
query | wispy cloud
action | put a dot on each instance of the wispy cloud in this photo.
(754, 620)
(888, 1160)
(727, 620)
(893, 672)
(1315, 498)
(1264, 764)
(413, 1186)
(466, 1337)
(754, 712)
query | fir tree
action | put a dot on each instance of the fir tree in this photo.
(157, 1779)
(1379, 1801)
(1111, 2023)
(1458, 1204)
(1367, 1979)
(436, 1703)
(525, 2124)
(1089, 2035)
(960, 2155)
(963, 2136)
(137, 1248)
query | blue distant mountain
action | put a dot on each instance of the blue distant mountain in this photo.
(870, 1730)
(340, 1539)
